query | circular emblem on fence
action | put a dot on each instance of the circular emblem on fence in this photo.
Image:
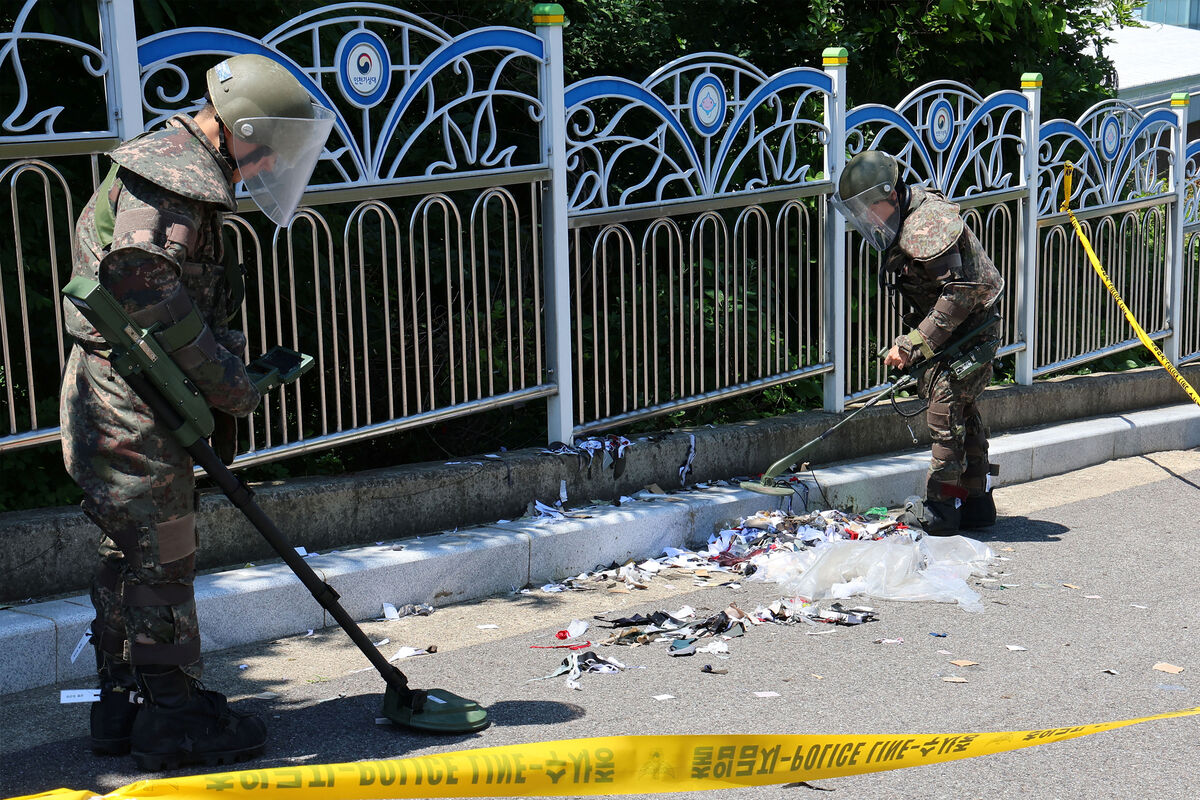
(1110, 138)
(941, 124)
(364, 69)
(707, 105)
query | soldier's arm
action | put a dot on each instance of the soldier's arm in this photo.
(154, 232)
(959, 298)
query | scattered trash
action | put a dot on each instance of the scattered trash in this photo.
(939, 635)
(1171, 687)
(766, 694)
(574, 630)
(664, 697)
(964, 662)
(408, 652)
(708, 668)
(1171, 669)
(1110, 671)
(264, 696)
(243, 666)
(1070, 586)
(574, 665)
(889, 641)
(488, 626)
(1014, 647)
(954, 679)
(1135, 605)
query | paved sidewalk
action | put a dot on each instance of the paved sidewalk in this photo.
(1096, 586)
(39, 639)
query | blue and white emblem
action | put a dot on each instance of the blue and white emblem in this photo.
(707, 105)
(364, 69)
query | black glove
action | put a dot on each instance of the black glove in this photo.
(224, 437)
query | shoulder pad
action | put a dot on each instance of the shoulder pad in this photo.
(173, 158)
(931, 228)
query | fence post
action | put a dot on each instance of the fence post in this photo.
(1027, 253)
(548, 21)
(834, 60)
(118, 40)
(1173, 344)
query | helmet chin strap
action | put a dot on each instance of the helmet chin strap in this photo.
(223, 147)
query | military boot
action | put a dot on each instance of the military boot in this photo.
(183, 723)
(938, 514)
(979, 509)
(112, 715)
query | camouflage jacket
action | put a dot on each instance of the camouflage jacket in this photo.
(942, 272)
(167, 203)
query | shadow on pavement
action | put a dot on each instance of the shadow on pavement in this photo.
(533, 712)
(1020, 529)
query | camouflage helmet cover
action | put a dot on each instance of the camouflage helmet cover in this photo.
(867, 197)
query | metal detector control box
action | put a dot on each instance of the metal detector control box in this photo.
(136, 350)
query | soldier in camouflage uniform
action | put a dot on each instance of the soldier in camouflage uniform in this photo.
(949, 285)
(151, 234)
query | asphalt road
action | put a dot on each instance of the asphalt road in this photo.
(1123, 533)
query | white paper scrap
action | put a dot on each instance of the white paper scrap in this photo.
(487, 627)
(87, 635)
(1014, 647)
(664, 697)
(766, 694)
(407, 652)
(79, 696)
(390, 612)
(381, 642)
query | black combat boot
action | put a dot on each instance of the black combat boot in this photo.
(183, 723)
(938, 514)
(978, 511)
(112, 719)
(112, 715)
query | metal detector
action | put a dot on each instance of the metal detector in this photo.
(179, 406)
(962, 357)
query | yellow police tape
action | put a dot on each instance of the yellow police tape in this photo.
(1112, 290)
(604, 766)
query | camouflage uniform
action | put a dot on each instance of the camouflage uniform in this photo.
(167, 198)
(949, 284)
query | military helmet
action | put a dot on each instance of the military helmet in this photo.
(870, 197)
(248, 86)
(265, 105)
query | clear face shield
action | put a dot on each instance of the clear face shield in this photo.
(874, 213)
(276, 157)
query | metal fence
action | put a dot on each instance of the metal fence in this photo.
(479, 235)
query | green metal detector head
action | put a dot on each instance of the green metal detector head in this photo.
(436, 711)
(768, 486)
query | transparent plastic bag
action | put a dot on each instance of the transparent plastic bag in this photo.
(895, 568)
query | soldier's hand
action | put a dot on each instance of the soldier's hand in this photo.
(896, 358)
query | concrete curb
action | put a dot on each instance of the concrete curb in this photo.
(258, 603)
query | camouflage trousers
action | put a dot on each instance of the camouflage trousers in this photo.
(959, 454)
(139, 490)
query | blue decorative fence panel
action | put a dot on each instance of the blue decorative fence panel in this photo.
(696, 209)
(970, 148)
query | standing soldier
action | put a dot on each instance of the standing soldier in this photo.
(151, 235)
(949, 286)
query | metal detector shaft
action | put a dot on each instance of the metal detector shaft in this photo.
(779, 466)
(242, 497)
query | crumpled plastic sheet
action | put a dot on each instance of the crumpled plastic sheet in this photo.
(896, 567)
